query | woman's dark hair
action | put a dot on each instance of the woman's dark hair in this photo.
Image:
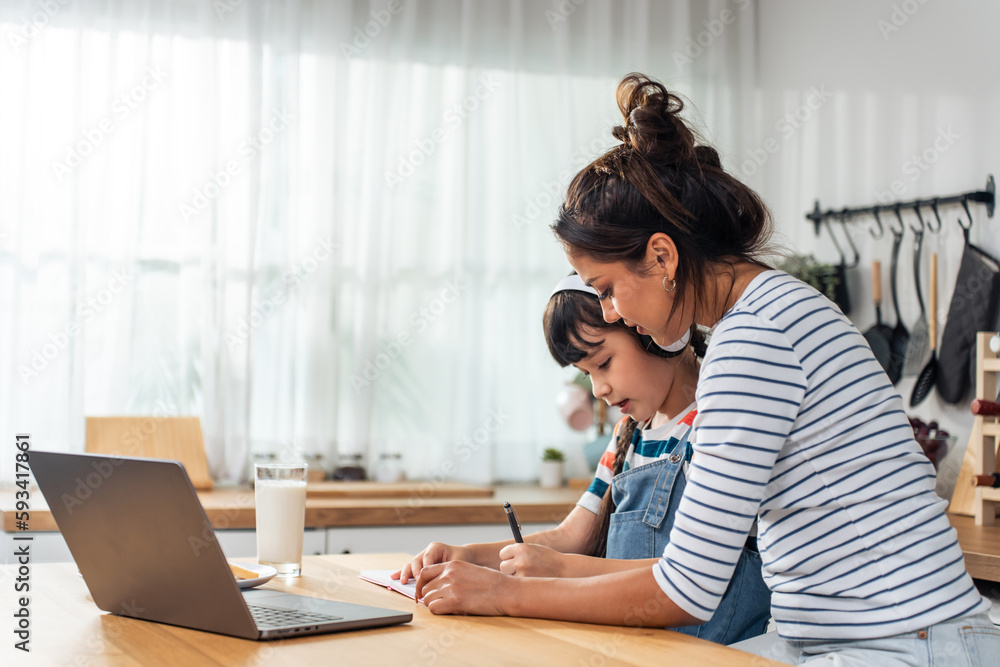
(569, 316)
(662, 178)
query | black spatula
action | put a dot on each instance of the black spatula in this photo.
(879, 335)
(916, 353)
(928, 376)
(900, 336)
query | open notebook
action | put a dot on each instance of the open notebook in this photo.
(384, 578)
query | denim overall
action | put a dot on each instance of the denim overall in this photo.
(646, 499)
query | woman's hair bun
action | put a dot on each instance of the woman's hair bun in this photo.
(653, 125)
(708, 156)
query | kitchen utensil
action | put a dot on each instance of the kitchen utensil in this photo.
(928, 376)
(900, 339)
(973, 308)
(919, 348)
(841, 297)
(878, 335)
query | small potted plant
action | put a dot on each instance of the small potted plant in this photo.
(552, 468)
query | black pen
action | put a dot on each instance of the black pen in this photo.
(512, 520)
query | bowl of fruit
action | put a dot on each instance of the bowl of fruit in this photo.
(933, 440)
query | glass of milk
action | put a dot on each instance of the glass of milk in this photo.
(280, 491)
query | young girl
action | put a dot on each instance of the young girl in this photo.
(624, 518)
(798, 428)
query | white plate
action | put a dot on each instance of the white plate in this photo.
(266, 573)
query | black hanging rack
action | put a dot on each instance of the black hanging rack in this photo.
(987, 197)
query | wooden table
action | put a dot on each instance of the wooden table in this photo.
(981, 546)
(67, 629)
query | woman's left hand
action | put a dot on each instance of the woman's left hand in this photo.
(458, 587)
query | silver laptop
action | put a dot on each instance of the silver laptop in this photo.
(146, 549)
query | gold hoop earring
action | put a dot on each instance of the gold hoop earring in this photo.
(673, 285)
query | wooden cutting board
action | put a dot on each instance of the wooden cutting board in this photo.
(396, 490)
(174, 438)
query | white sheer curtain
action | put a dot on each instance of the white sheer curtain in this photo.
(320, 226)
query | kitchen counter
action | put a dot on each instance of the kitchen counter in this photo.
(233, 508)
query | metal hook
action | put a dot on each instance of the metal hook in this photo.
(881, 230)
(965, 205)
(899, 217)
(923, 225)
(836, 243)
(934, 206)
(854, 249)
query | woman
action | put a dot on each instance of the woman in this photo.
(798, 427)
(624, 518)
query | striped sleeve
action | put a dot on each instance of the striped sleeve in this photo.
(748, 396)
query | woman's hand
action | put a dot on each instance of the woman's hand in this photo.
(533, 560)
(436, 552)
(458, 587)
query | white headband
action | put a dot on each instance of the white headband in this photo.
(575, 282)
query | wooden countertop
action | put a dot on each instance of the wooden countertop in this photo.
(67, 628)
(234, 508)
(981, 546)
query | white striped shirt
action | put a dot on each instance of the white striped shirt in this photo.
(798, 425)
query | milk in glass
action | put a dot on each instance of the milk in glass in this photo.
(281, 507)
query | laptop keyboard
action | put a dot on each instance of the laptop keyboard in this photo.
(270, 618)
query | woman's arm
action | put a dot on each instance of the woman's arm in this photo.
(630, 598)
(569, 536)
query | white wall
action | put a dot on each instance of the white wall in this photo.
(879, 95)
